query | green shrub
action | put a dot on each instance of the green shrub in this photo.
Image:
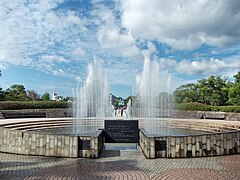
(235, 109)
(215, 108)
(193, 107)
(202, 107)
(14, 105)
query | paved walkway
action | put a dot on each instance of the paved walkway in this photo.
(117, 165)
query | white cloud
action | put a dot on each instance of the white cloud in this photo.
(60, 40)
(79, 52)
(203, 67)
(44, 5)
(184, 24)
(167, 63)
(151, 49)
(31, 30)
(59, 72)
(54, 58)
(63, 73)
(2, 66)
(111, 38)
(110, 35)
(2, 56)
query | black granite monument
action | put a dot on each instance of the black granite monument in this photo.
(121, 131)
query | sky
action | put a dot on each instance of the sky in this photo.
(46, 45)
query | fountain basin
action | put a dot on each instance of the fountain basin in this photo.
(22, 137)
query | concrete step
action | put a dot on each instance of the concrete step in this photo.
(13, 125)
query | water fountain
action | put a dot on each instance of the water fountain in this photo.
(150, 110)
(153, 93)
(92, 99)
(129, 109)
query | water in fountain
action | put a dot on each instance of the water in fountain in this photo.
(152, 89)
(92, 100)
(129, 109)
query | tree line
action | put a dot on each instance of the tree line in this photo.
(214, 91)
(17, 92)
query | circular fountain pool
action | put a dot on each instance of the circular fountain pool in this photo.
(161, 138)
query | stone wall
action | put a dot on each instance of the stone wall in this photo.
(232, 117)
(203, 145)
(187, 114)
(56, 113)
(38, 144)
(161, 147)
(213, 144)
(206, 115)
(30, 143)
(95, 145)
(49, 113)
(147, 144)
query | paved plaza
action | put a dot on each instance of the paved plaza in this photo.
(117, 165)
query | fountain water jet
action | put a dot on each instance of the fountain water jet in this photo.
(92, 100)
(152, 89)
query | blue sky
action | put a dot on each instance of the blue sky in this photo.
(46, 44)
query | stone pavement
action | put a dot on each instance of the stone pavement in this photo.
(117, 165)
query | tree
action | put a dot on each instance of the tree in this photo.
(2, 94)
(203, 92)
(115, 102)
(234, 91)
(16, 93)
(217, 90)
(213, 91)
(127, 100)
(68, 98)
(237, 78)
(45, 97)
(186, 93)
(33, 95)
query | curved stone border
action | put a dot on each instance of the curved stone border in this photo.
(213, 144)
(31, 143)
(222, 141)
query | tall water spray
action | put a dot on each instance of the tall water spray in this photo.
(92, 101)
(152, 89)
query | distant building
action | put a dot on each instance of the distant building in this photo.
(56, 97)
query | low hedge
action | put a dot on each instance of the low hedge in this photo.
(235, 109)
(204, 107)
(15, 105)
(195, 107)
